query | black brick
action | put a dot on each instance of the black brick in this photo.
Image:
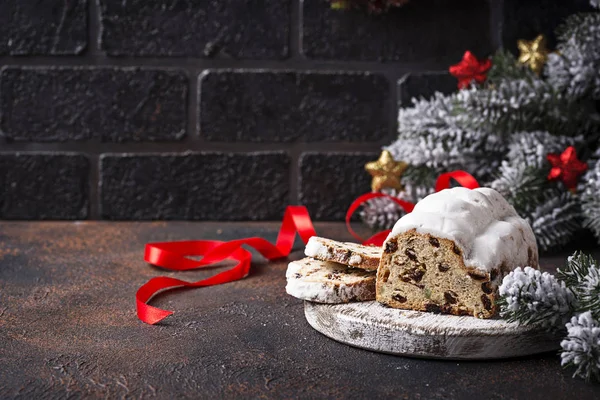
(424, 31)
(194, 186)
(43, 186)
(525, 19)
(424, 85)
(290, 106)
(256, 29)
(59, 104)
(329, 182)
(48, 27)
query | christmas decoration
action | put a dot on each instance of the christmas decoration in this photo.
(386, 172)
(575, 68)
(568, 303)
(566, 167)
(382, 213)
(590, 201)
(503, 131)
(470, 69)
(530, 296)
(372, 6)
(296, 220)
(582, 277)
(582, 346)
(534, 53)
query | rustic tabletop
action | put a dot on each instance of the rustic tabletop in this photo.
(68, 329)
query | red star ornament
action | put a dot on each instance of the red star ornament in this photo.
(566, 167)
(470, 69)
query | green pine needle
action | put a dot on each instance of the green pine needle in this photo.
(577, 267)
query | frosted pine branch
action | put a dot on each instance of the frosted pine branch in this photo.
(575, 68)
(382, 213)
(555, 219)
(581, 347)
(582, 275)
(520, 184)
(531, 148)
(589, 292)
(471, 129)
(589, 190)
(529, 296)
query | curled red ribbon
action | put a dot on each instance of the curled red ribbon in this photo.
(378, 238)
(174, 255)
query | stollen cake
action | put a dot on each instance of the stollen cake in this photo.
(352, 254)
(329, 282)
(450, 254)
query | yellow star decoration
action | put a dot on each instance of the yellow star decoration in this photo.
(386, 172)
(534, 53)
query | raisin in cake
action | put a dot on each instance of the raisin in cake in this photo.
(329, 282)
(450, 254)
(352, 254)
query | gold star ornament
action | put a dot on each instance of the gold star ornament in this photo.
(534, 53)
(386, 172)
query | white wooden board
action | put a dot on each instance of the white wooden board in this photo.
(371, 326)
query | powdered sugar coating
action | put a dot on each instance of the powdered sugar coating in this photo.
(346, 253)
(355, 260)
(322, 293)
(315, 249)
(486, 228)
(328, 282)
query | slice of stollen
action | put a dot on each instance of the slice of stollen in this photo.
(352, 254)
(329, 282)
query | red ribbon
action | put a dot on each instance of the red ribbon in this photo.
(174, 255)
(378, 238)
(463, 178)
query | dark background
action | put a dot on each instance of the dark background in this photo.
(223, 109)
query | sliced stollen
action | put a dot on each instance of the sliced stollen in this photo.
(450, 254)
(352, 254)
(329, 282)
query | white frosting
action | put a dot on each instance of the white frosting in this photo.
(487, 229)
(314, 248)
(326, 293)
(311, 282)
(355, 260)
(292, 269)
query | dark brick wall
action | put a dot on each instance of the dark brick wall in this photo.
(221, 109)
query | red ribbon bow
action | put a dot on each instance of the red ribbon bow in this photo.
(174, 255)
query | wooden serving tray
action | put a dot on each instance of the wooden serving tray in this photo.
(372, 326)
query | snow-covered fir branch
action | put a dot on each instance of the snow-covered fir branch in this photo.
(582, 275)
(555, 219)
(529, 296)
(471, 129)
(575, 68)
(382, 213)
(572, 298)
(589, 191)
(581, 347)
(532, 148)
(520, 184)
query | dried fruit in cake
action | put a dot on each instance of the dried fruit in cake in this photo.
(352, 254)
(450, 254)
(329, 282)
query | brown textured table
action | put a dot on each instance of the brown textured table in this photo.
(68, 329)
